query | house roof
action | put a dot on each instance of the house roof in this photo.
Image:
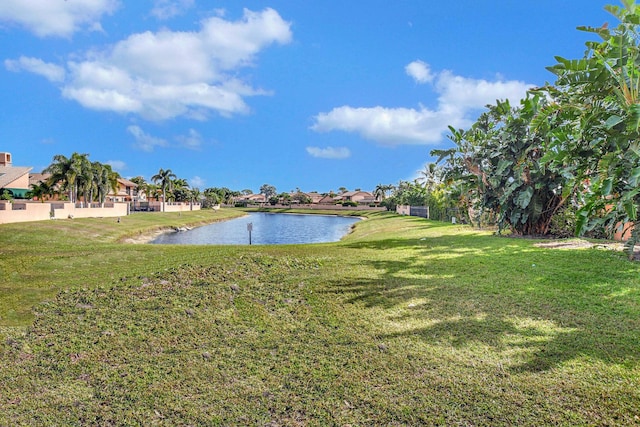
(348, 195)
(36, 178)
(9, 174)
(127, 183)
(315, 196)
(253, 197)
(327, 199)
(354, 193)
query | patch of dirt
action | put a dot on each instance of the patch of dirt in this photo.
(145, 237)
(579, 244)
(585, 244)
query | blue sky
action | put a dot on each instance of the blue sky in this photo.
(311, 94)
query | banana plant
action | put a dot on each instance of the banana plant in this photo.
(498, 162)
(593, 124)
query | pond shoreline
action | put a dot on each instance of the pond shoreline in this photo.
(146, 237)
(269, 228)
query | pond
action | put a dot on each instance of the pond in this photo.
(266, 229)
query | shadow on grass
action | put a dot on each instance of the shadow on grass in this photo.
(548, 306)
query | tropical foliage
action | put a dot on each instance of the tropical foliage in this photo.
(268, 190)
(429, 191)
(593, 124)
(164, 179)
(40, 191)
(573, 144)
(498, 161)
(77, 176)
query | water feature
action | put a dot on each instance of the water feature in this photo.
(266, 229)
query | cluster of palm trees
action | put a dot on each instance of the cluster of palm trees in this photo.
(77, 176)
(168, 186)
(78, 179)
(426, 190)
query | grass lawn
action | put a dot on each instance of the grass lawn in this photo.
(404, 322)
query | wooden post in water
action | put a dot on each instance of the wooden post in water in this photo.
(250, 229)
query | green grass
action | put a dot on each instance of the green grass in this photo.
(404, 322)
(38, 259)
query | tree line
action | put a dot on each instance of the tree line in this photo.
(567, 157)
(77, 179)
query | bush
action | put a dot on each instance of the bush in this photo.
(349, 204)
(563, 224)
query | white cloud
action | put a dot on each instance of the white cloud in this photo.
(466, 93)
(117, 165)
(51, 72)
(56, 17)
(420, 71)
(166, 9)
(458, 98)
(167, 74)
(389, 126)
(329, 152)
(193, 140)
(197, 182)
(144, 141)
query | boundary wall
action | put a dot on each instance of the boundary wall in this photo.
(25, 211)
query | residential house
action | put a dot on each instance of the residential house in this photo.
(126, 191)
(329, 199)
(251, 199)
(315, 197)
(360, 197)
(13, 179)
(37, 179)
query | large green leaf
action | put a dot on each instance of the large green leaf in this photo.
(536, 206)
(634, 178)
(502, 166)
(631, 209)
(607, 186)
(524, 197)
(612, 121)
(634, 115)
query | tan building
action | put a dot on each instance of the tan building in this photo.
(315, 197)
(251, 198)
(13, 179)
(363, 197)
(127, 191)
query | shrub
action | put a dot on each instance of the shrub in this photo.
(563, 224)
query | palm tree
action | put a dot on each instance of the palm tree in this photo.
(164, 178)
(64, 171)
(97, 180)
(151, 191)
(194, 196)
(180, 190)
(40, 190)
(211, 196)
(141, 187)
(268, 190)
(382, 191)
(105, 179)
(84, 178)
(431, 176)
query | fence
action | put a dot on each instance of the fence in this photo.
(25, 211)
(430, 212)
(168, 207)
